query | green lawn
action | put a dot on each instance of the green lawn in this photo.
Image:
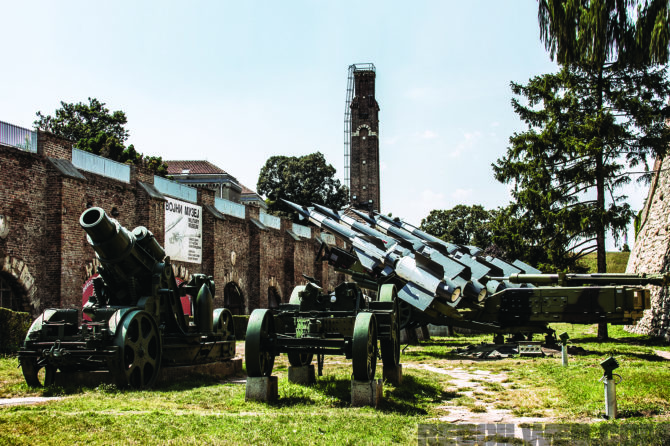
(204, 411)
(616, 262)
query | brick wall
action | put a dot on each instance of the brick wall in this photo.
(45, 255)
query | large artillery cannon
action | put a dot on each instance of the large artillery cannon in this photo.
(496, 296)
(314, 322)
(137, 321)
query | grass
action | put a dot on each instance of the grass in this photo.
(207, 411)
(616, 262)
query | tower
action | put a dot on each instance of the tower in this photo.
(362, 138)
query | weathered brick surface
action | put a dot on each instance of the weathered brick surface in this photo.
(651, 253)
(46, 256)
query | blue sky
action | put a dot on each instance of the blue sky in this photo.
(237, 82)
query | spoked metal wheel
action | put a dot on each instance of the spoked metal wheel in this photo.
(390, 347)
(139, 341)
(37, 375)
(259, 354)
(223, 323)
(364, 348)
(300, 359)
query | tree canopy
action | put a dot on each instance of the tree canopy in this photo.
(463, 225)
(605, 31)
(93, 128)
(303, 180)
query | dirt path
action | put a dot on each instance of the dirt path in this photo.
(473, 384)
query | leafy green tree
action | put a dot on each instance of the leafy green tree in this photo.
(93, 128)
(464, 225)
(567, 167)
(303, 180)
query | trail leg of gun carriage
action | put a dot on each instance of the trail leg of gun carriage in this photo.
(137, 322)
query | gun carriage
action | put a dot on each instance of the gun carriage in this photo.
(137, 321)
(314, 322)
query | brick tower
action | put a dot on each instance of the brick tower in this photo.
(364, 158)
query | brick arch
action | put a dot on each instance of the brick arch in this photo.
(233, 298)
(22, 281)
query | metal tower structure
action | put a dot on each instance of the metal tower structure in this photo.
(347, 116)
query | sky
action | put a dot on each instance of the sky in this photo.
(236, 82)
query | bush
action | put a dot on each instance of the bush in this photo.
(13, 329)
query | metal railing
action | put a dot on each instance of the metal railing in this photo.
(14, 136)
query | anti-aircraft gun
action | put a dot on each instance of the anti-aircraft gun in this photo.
(137, 321)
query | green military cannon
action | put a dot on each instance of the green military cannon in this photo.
(137, 321)
(314, 322)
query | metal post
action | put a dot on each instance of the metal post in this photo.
(610, 399)
(564, 355)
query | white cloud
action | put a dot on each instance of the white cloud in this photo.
(428, 134)
(470, 139)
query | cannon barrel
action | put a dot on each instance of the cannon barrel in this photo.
(564, 279)
(121, 252)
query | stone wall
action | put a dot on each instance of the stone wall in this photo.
(651, 253)
(45, 256)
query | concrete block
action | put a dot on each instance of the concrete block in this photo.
(262, 388)
(393, 374)
(366, 393)
(302, 375)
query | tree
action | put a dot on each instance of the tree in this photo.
(303, 180)
(464, 225)
(599, 35)
(567, 167)
(595, 32)
(93, 128)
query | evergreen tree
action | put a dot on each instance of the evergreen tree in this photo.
(567, 168)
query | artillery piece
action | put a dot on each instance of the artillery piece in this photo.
(488, 294)
(137, 321)
(314, 322)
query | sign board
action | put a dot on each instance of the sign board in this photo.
(183, 231)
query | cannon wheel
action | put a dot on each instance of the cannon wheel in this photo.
(390, 347)
(140, 344)
(36, 375)
(258, 354)
(364, 348)
(404, 314)
(223, 323)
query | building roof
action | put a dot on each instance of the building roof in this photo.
(176, 167)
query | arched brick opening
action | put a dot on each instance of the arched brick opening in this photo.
(233, 298)
(13, 294)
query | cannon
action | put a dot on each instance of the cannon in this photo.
(496, 296)
(137, 322)
(315, 322)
